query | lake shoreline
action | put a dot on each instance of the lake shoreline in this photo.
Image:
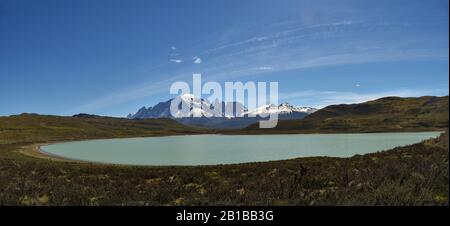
(38, 151)
(324, 181)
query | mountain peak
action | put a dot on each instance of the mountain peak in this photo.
(208, 113)
(284, 108)
(188, 96)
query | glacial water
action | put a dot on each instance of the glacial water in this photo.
(229, 149)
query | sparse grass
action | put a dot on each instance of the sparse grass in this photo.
(41, 128)
(412, 175)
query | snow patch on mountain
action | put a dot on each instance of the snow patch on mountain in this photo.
(199, 107)
(284, 108)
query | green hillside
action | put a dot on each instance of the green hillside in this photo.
(26, 128)
(390, 114)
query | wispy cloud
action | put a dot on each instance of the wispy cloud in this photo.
(292, 46)
(176, 61)
(323, 45)
(320, 99)
(264, 68)
(125, 95)
(197, 60)
(174, 53)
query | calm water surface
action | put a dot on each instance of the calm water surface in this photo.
(225, 149)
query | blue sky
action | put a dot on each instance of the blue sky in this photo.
(111, 57)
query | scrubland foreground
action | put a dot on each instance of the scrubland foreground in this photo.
(411, 175)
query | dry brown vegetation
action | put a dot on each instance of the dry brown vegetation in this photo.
(412, 175)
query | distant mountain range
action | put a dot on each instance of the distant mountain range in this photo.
(219, 119)
(389, 114)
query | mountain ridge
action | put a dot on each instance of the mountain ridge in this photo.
(239, 118)
(388, 114)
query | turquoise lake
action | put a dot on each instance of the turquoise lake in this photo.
(230, 149)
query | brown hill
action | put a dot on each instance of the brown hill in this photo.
(389, 114)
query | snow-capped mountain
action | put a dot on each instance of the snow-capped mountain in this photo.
(198, 107)
(282, 109)
(203, 113)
